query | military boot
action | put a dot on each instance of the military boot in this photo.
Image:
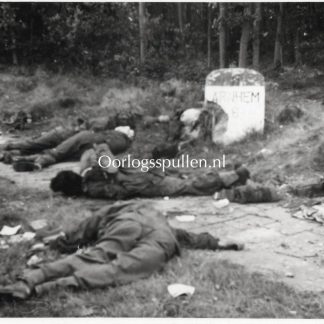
(19, 290)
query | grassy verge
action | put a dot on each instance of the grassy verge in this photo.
(223, 289)
(57, 99)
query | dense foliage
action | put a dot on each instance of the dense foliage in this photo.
(104, 37)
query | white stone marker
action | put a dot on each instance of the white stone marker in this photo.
(241, 94)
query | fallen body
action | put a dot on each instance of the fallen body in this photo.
(188, 125)
(129, 241)
(72, 148)
(130, 182)
(67, 133)
(311, 190)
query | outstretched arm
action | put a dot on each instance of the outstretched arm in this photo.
(84, 233)
(87, 231)
(203, 241)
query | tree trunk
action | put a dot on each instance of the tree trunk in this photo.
(14, 49)
(188, 12)
(180, 20)
(297, 54)
(208, 35)
(278, 59)
(31, 40)
(245, 36)
(256, 36)
(222, 34)
(180, 17)
(142, 31)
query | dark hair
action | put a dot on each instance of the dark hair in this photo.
(243, 173)
(165, 151)
(67, 182)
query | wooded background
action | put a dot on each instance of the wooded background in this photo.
(160, 40)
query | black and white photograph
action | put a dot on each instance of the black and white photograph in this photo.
(162, 160)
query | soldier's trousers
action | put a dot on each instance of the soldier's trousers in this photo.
(43, 142)
(204, 183)
(74, 146)
(123, 256)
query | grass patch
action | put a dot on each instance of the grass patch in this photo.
(223, 289)
(61, 98)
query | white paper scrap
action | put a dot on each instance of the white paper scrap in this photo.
(221, 203)
(185, 218)
(8, 231)
(28, 236)
(38, 224)
(176, 290)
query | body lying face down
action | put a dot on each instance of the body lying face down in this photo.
(62, 144)
(130, 182)
(126, 242)
(126, 182)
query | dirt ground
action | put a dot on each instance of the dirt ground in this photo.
(282, 247)
(277, 245)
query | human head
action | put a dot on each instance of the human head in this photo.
(125, 117)
(81, 124)
(67, 182)
(243, 173)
